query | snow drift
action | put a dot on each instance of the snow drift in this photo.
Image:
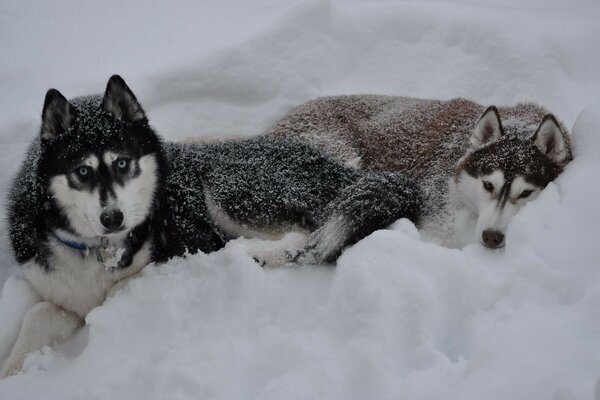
(398, 317)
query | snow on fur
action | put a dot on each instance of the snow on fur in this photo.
(425, 139)
(397, 317)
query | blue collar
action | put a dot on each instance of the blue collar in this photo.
(69, 243)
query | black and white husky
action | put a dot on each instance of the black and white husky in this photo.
(459, 152)
(100, 196)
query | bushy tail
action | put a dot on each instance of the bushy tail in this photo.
(373, 202)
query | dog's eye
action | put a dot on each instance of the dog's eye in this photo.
(525, 193)
(122, 164)
(84, 171)
(488, 186)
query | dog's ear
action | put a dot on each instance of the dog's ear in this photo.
(488, 128)
(549, 139)
(58, 115)
(120, 101)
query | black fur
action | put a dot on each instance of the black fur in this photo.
(260, 182)
(33, 211)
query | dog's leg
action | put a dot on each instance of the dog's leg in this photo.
(18, 296)
(120, 284)
(373, 202)
(280, 252)
(44, 324)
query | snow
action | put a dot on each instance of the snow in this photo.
(398, 317)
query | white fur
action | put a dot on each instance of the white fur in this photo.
(79, 206)
(277, 253)
(44, 324)
(109, 157)
(549, 133)
(519, 185)
(83, 208)
(490, 215)
(78, 283)
(18, 296)
(92, 161)
(50, 305)
(328, 239)
(134, 199)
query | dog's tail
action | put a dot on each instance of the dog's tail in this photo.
(373, 201)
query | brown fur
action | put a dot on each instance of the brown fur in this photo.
(418, 137)
(424, 139)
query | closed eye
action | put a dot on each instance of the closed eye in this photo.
(488, 186)
(525, 193)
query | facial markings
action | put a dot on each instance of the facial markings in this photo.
(122, 166)
(522, 190)
(498, 188)
(105, 185)
(493, 183)
(83, 174)
(136, 197)
(116, 170)
(510, 191)
(78, 206)
(503, 196)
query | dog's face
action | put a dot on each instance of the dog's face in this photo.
(99, 162)
(503, 171)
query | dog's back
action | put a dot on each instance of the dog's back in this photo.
(424, 139)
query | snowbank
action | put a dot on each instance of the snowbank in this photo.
(398, 317)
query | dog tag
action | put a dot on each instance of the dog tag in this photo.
(104, 254)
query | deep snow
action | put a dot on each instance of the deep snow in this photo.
(398, 317)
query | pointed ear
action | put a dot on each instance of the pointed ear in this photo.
(120, 101)
(58, 115)
(488, 128)
(550, 141)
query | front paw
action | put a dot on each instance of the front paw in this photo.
(271, 258)
(125, 261)
(12, 366)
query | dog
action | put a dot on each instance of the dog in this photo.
(464, 156)
(100, 196)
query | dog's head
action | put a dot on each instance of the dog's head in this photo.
(101, 164)
(507, 167)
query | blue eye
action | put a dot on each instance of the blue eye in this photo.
(83, 171)
(122, 163)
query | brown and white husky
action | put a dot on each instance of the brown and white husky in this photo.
(490, 161)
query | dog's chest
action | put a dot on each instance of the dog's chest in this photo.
(79, 283)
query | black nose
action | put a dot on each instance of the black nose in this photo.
(111, 220)
(493, 238)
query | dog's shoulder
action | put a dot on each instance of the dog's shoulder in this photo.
(25, 207)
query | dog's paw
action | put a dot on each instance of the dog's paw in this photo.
(306, 257)
(12, 366)
(125, 261)
(271, 258)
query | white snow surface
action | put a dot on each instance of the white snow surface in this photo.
(397, 318)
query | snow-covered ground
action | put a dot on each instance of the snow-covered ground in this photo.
(398, 318)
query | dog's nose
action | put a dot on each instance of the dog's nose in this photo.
(493, 239)
(112, 219)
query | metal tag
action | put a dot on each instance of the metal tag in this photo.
(104, 254)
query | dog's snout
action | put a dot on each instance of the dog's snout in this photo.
(112, 219)
(492, 239)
